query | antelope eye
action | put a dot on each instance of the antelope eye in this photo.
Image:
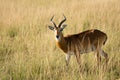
(61, 29)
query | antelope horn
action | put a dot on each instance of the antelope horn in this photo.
(53, 22)
(62, 21)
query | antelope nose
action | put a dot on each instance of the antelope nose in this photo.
(57, 36)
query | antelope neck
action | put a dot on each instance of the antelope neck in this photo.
(62, 44)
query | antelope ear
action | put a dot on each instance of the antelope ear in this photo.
(62, 27)
(51, 28)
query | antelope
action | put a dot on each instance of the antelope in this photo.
(77, 44)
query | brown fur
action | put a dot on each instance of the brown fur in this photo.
(82, 40)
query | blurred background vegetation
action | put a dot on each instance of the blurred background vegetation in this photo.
(27, 46)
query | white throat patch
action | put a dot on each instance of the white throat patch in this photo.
(57, 39)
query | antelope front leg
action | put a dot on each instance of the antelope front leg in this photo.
(67, 59)
(78, 59)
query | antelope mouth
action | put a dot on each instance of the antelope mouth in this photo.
(57, 38)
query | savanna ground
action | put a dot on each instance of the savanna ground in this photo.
(27, 46)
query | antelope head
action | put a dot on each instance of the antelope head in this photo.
(58, 29)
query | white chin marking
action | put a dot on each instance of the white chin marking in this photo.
(57, 39)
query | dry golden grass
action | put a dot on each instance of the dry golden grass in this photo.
(27, 46)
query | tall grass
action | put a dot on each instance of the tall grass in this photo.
(27, 47)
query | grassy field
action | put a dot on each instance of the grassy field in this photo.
(27, 46)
